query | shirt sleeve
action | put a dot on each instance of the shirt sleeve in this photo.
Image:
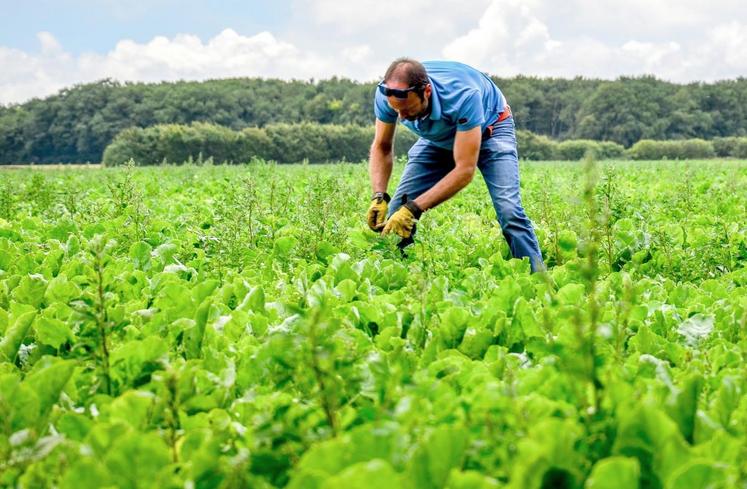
(382, 109)
(470, 113)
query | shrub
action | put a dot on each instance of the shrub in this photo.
(534, 147)
(319, 143)
(132, 143)
(740, 150)
(724, 147)
(609, 150)
(576, 149)
(284, 143)
(648, 149)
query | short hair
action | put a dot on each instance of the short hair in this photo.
(409, 71)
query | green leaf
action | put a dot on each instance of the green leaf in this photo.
(727, 400)
(133, 407)
(647, 433)
(572, 294)
(72, 245)
(19, 405)
(548, 457)
(137, 457)
(342, 267)
(52, 332)
(324, 250)
(682, 405)
(73, 425)
(284, 245)
(165, 253)
(646, 341)
(567, 240)
(696, 328)
(14, 336)
(194, 335)
(374, 474)
(470, 479)
(254, 300)
(47, 379)
(86, 473)
(4, 321)
(60, 289)
(524, 320)
(133, 362)
(698, 474)
(140, 254)
(362, 443)
(30, 290)
(347, 289)
(614, 473)
(7, 253)
(453, 325)
(435, 456)
(476, 342)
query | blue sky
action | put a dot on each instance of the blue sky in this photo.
(48, 45)
(83, 25)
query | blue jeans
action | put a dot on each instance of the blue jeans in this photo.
(499, 164)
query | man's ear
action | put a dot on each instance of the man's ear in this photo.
(426, 93)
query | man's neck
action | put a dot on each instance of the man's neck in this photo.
(427, 111)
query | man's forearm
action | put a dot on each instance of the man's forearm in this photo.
(380, 168)
(447, 187)
(466, 153)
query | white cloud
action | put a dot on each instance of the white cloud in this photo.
(357, 54)
(228, 54)
(679, 40)
(392, 28)
(415, 17)
(515, 37)
(729, 42)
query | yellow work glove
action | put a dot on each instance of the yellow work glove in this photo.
(403, 220)
(377, 211)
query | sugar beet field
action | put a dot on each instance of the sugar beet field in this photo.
(240, 326)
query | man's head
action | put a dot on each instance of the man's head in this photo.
(407, 88)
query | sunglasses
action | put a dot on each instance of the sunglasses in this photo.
(397, 92)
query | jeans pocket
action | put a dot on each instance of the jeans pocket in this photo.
(500, 144)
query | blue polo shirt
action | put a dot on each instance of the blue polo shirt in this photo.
(462, 98)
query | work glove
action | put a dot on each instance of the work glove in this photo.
(403, 220)
(377, 210)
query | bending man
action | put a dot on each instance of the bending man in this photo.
(464, 123)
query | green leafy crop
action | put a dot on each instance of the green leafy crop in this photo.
(225, 327)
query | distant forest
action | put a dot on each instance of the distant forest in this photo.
(78, 123)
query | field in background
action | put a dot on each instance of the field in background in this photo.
(239, 326)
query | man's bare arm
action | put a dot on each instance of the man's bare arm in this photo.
(380, 159)
(466, 153)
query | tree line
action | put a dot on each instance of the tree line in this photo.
(77, 124)
(202, 143)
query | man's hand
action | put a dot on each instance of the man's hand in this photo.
(377, 211)
(403, 221)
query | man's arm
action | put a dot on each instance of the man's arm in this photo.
(380, 159)
(466, 152)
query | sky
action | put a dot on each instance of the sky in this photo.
(49, 45)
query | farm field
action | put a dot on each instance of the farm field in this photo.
(240, 326)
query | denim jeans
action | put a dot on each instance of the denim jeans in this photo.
(499, 164)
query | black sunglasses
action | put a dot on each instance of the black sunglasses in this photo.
(397, 92)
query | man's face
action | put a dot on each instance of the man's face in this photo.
(412, 107)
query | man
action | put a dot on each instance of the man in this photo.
(464, 123)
